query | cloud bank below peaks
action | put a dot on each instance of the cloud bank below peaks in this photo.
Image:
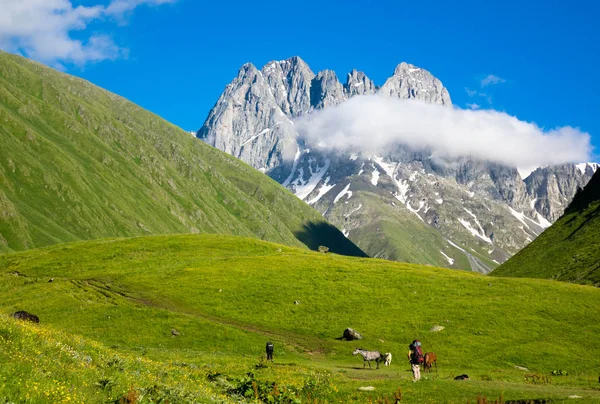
(373, 123)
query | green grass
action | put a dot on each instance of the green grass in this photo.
(227, 296)
(569, 250)
(43, 365)
(80, 163)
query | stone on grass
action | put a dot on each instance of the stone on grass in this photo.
(351, 335)
(23, 315)
(436, 328)
(366, 388)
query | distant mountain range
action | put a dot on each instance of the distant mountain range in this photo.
(570, 249)
(401, 204)
(80, 163)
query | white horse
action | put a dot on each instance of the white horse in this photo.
(387, 357)
(369, 356)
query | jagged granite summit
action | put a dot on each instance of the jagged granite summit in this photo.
(401, 204)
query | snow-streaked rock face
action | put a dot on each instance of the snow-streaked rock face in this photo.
(247, 123)
(552, 188)
(410, 81)
(357, 83)
(290, 82)
(403, 204)
(326, 90)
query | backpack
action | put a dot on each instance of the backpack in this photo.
(418, 357)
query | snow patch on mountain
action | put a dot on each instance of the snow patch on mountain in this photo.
(415, 211)
(361, 170)
(264, 131)
(450, 260)
(542, 221)
(454, 245)
(290, 177)
(345, 191)
(322, 191)
(582, 167)
(302, 190)
(374, 176)
(467, 225)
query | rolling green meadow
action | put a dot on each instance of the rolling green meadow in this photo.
(108, 309)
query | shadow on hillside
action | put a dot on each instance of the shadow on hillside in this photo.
(324, 234)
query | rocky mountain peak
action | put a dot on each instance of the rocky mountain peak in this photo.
(326, 90)
(290, 81)
(405, 68)
(413, 82)
(357, 83)
(473, 213)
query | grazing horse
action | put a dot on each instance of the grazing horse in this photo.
(387, 357)
(368, 356)
(430, 359)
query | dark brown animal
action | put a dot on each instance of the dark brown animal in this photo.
(23, 315)
(430, 359)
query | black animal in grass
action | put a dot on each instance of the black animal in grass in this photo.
(462, 377)
(23, 315)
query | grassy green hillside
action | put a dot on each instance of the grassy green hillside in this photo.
(42, 364)
(569, 250)
(226, 296)
(80, 163)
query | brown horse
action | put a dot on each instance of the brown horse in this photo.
(430, 359)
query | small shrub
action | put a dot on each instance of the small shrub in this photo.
(105, 383)
(323, 249)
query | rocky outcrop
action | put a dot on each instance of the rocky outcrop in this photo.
(290, 82)
(247, 123)
(357, 83)
(351, 335)
(23, 315)
(326, 90)
(411, 82)
(552, 188)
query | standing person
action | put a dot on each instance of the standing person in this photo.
(270, 351)
(415, 357)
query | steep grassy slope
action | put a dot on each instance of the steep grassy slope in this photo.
(77, 162)
(570, 249)
(227, 296)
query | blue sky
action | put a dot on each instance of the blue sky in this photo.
(176, 58)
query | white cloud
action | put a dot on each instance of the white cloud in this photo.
(119, 7)
(474, 106)
(491, 79)
(470, 93)
(373, 123)
(43, 29)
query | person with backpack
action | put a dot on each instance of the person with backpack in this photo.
(270, 351)
(416, 358)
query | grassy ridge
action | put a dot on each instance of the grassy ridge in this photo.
(570, 249)
(228, 295)
(79, 163)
